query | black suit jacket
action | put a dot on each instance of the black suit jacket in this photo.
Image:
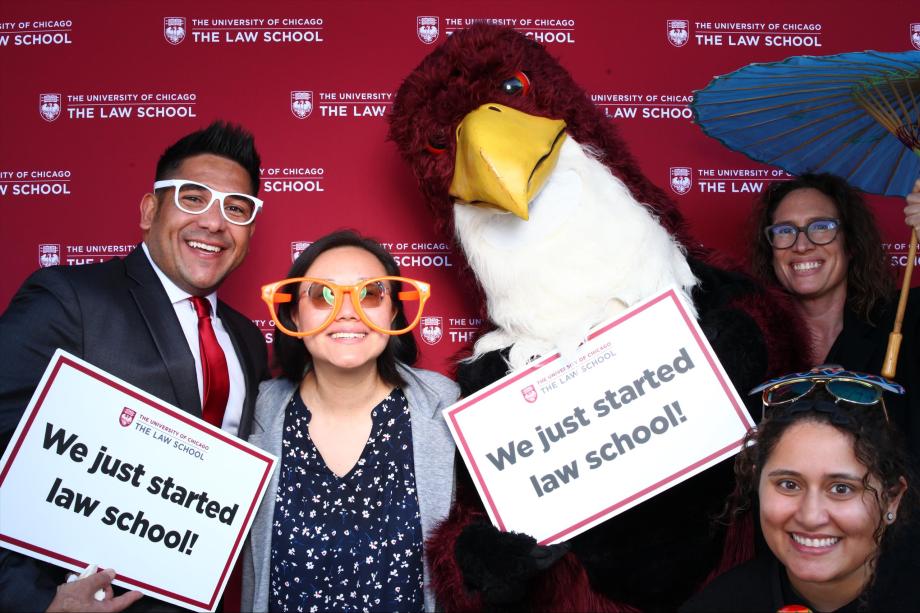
(117, 316)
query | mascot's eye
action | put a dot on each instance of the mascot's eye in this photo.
(436, 145)
(518, 84)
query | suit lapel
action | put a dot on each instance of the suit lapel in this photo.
(245, 358)
(164, 328)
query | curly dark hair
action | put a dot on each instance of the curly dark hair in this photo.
(291, 355)
(877, 444)
(869, 280)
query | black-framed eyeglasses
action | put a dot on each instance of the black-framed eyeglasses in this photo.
(843, 385)
(819, 232)
(196, 198)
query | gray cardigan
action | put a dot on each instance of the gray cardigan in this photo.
(432, 449)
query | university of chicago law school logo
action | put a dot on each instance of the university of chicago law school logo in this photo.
(432, 329)
(427, 29)
(126, 417)
(49, 105)
(302, 104)
(298, 247)
(915, 35)
(174, 29)
(678, 32)
(680, 180)
(529, 393)
(49, 255)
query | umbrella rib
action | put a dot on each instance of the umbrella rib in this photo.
(816, 137)
(894, 168)
(843, 143)
(806, 125)
(874, 103)
(807, 109)
(829, 92)
(862, 160)
(774, 119)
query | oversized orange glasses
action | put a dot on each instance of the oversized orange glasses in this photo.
(322, 295)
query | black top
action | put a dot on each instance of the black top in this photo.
(760, 585)
(861, 346)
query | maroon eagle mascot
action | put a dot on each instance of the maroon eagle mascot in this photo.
(560, 230)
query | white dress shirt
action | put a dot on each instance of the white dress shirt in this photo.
(188, 319)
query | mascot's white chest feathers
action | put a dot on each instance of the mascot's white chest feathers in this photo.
(588, 250)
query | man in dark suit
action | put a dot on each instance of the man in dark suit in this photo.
(139, 319)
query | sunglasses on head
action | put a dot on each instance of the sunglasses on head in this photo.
(843, 385)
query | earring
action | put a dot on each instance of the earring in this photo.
(890, 517)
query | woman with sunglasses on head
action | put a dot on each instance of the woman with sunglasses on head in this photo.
(365, 458)
(828, 476)
(815, 236)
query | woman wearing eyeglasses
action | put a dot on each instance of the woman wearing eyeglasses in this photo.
(366, 460)
(815, 236)
(826, 474)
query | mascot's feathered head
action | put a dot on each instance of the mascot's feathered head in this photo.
(488, 64)
(557, 223)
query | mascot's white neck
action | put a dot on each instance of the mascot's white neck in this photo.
(588, 250)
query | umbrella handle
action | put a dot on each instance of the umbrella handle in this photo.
(889, 366)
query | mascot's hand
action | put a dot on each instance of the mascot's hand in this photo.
(500, 564)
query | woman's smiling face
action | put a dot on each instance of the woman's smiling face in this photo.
(807, 270)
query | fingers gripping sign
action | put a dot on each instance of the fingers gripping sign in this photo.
(83, 595)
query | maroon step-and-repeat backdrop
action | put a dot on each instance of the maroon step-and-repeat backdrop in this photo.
(93, 91)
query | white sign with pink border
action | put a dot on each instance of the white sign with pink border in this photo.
(100, 472)
(561, 446)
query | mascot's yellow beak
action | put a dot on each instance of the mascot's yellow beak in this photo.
(504, 156)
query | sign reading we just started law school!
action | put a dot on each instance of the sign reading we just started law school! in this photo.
(561, 446)
(100, 472)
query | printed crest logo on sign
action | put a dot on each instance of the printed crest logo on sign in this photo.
(301, 104)
(529, 393)
(678, 32)
(49, 105)
(915, 35)
(174, 29)
(432, 329)
(298, 247)
(427, 29)
(680, 180)
(49, 255)
(126, 417)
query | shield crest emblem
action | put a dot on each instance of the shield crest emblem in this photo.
(49, 255)
(529, 393)
(432, 329)
(427, 29)
(302, 104)
(298, 247)
(680, 180)
(126, 417)
(174, 29)
(915, 35)
(678, 32)
(49, 105)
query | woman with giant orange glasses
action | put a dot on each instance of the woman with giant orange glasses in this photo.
(366, 460)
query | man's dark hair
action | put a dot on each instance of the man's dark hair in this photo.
(220, 138)
(870, 281)
(291, 355)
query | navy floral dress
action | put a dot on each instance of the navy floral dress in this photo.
(351, 543)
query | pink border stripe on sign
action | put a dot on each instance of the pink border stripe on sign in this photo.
(726, 386)
(62, 360)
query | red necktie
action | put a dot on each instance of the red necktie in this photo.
(216, 377)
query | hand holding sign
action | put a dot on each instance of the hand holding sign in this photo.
(80, 595)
